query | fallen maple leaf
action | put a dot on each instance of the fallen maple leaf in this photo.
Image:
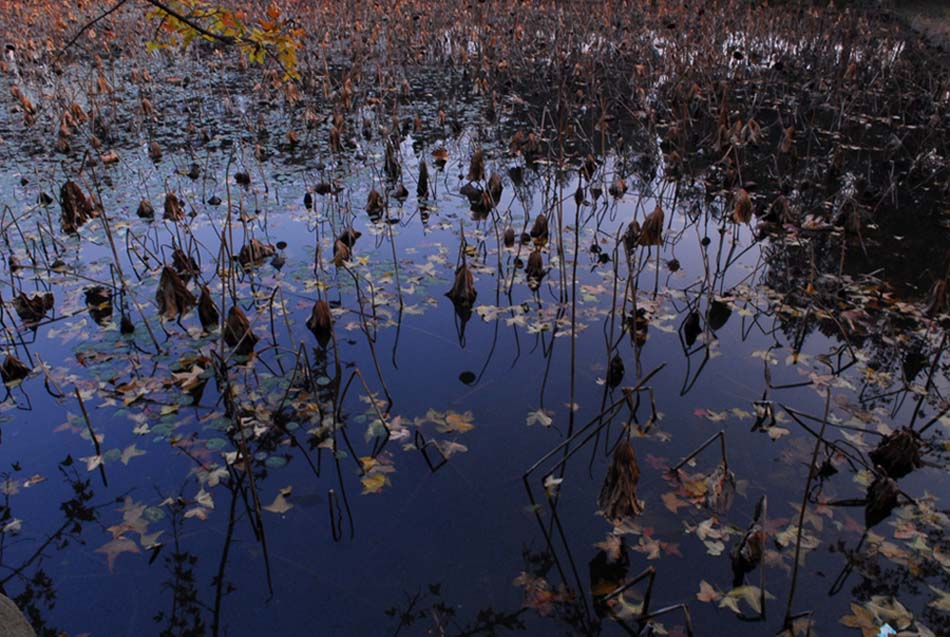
(280, 505)
(115, 547)
(707, 592)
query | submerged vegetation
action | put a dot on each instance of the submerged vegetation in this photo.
(474, 318)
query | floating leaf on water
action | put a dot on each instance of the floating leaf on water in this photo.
(707, 592)
(275, 462)
(116, 547)
(541, 417)
(216, 444)
(281, 503)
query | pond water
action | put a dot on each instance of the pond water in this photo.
(385, 482)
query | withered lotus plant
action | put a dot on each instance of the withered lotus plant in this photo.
(535, 269)
(341, 252)
(748, 552)
(881, 499)
(391, 164)
(375, 204)
(237, 332)
(422, 187)
(618, 496)
(652, 232)
(631, 237)
(173, 296)
(77, 208)
(462, 292)
(742, 213)
(207, 309)
(349, 237)
(495, 188)
(155, 152)
(184, 264)
(476, 169)
(320, 322)
(615, 371)
(174, 211)
(940, 297)
(99, 304)
(32, 309)
(539, 231)
(145, 210)
(898, 453)
(472, 192)
(618, 188)
(13, 370)
(254, 252)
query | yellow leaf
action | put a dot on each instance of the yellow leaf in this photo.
(374, 483)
